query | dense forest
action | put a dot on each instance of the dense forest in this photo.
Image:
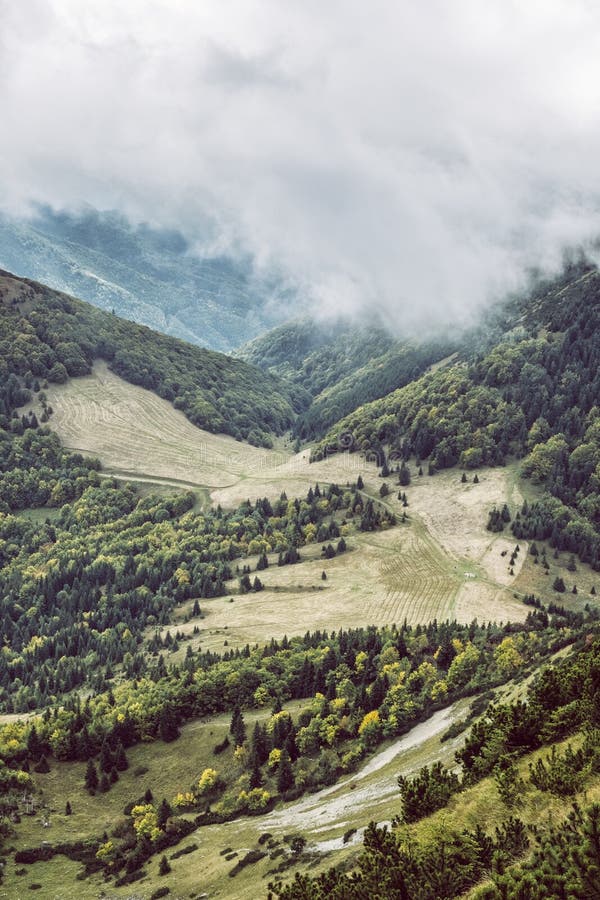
(45, 335)
(341, 366)
(533, 395)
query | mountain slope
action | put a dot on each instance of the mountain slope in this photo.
(341, 365)
(143, 274)
(534, 393)
(45, 334)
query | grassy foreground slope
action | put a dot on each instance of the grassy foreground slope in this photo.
(513, 831)
(47, 335)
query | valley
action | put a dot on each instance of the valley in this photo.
(354, 595)
(441, 565)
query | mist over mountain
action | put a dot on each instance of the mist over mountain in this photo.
(145, 274)
(411, 161)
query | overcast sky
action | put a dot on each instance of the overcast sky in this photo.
(413, 158)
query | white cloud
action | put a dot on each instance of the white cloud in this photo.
(411, 159)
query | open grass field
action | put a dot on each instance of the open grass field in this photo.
(136, 433)
(375, 582)
(141, 437)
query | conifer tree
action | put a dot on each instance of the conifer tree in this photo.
(91, 777)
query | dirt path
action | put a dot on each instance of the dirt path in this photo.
(363, 793)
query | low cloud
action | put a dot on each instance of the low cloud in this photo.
(405, 160)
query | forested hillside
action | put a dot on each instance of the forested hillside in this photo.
(47, 335)
(534, 394)
(77, 594)
(362, 686)
(341, 365)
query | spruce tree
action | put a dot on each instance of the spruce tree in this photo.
(285, 775)
(121, 763)
(256, 779)
(106, 758)
(91, 777)
(164, 811)
(104, 783)
(237, 727)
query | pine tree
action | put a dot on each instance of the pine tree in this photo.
(68, 808)
(168, 729)
(104, 783)
(285, 776)
(164, 867)
(259, 748)
(164, 811)
(245, 584)
(34, 745)
(91, 777)
(323, 575)
(121, 763)
(106, 758)
(256, 779)
(237, 727)
(42, 767)
(404, 476)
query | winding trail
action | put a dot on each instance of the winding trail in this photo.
(361, 793)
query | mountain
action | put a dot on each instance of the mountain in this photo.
(341, 365)
(49, 335)
(534, 393)
(145, 274)
(400, 642)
